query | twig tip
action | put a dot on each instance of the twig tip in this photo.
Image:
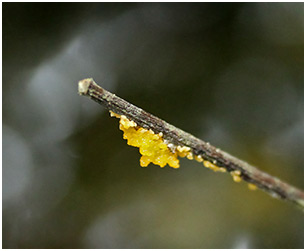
(84, 85)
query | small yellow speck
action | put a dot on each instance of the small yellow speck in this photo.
(183, 149)
(190, 156)
(236, 172)
(236, 178)
(252, 187)
(222, 170)
(213, 167)
(112, 114)
(198, 158)
(236, 175)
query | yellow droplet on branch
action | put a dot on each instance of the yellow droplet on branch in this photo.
(252, 187)
(236, 175)
(190, 156)
(213, 167)
(183, 151)
(112, 114)
(198, 158)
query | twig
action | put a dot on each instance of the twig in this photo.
(176, 136)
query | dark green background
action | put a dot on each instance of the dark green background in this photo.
(231, 74)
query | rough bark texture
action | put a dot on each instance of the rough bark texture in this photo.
(250, 174)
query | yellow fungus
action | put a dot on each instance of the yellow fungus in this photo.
(190, 155)
(236, 175)
(112, 114)
(222, 170)
(213, 167)
(252, 187)
(154, 148)
(156, 136)
(183, 151)
(236, 178)
(151, 146)
(198, 158)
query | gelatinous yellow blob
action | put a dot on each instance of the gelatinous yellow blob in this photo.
(151, 146)
(155, 149)
(198, 158)
(213, 167)
(252, 187)
(183, 151)
(112, 114)
(236, 175)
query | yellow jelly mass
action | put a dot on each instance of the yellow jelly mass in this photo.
(252, 187)
(151, 145)
(198, 158)
(213, 167)
(183, 151)
(154, 149)
(236, 175)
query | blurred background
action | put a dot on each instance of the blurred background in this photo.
(229, 73)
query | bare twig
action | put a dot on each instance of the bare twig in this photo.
(252, 175)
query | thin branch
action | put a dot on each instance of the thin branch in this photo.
(272, 185)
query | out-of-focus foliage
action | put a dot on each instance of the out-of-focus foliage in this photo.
(231, 74)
